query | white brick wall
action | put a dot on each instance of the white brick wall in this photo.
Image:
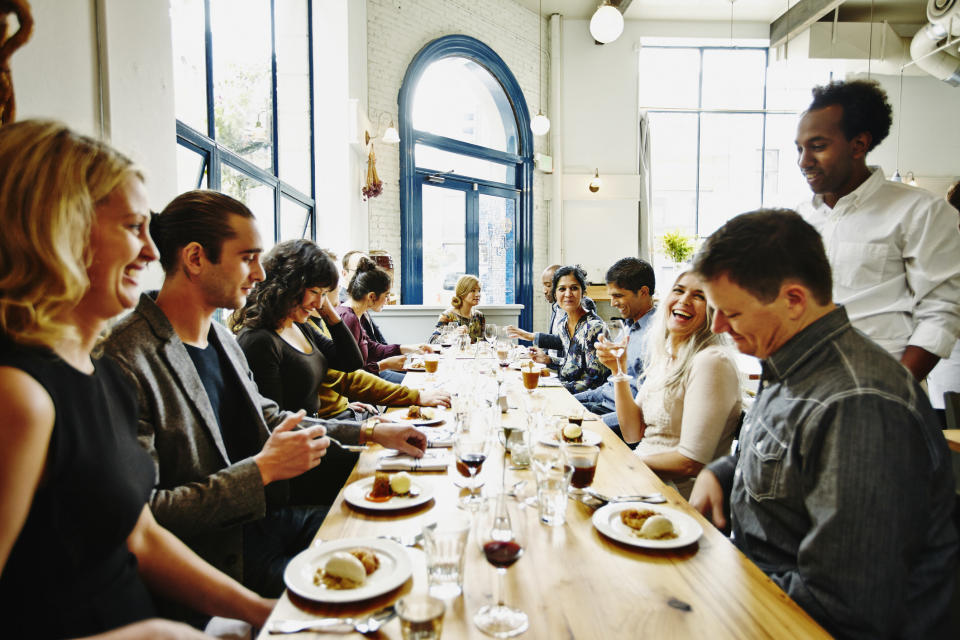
(396, 31)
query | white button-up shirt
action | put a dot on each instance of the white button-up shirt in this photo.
(895, 255)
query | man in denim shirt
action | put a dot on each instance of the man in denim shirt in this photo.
(630, 283)
(843, 491)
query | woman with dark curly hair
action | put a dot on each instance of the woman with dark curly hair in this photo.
(288, 357)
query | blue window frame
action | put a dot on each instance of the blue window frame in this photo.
(271, 158)
(502, 176)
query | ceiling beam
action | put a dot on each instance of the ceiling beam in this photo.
(798, 18)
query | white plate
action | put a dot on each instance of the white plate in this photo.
(395, 569)
(354, 494)
(439, 416)
(607, 521)
(589, 437)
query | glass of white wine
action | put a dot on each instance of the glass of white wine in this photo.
(616, 334)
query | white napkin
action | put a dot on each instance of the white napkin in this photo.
(436, 437)
(551, 381)
(432, 460)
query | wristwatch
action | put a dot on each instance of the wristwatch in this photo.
(367, 429)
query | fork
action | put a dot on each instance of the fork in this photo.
(369, 624)
(652, 498)
(409, 540)
(354, 448)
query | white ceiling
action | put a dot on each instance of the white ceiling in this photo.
(743, 10)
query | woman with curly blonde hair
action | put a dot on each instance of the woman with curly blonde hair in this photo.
(74, 481)
(461, 311)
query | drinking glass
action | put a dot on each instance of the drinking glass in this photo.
(503, 352)
(421, 617)
(490, 332)
(615, 333)
(445, 543)
(471, 445)
(501, 532)
(583, 459)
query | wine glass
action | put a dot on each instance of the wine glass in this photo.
(501, 533)
(490, 333)
(616, 334)
(471, 445)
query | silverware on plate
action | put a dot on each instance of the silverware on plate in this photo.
(652, 498)
(368, 624)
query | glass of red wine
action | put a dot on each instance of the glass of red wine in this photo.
(471, 445)
(501, 533)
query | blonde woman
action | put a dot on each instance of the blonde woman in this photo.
(75, 529)
(689, 401)
(462, 311)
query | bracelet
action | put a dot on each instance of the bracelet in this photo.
(367, 429)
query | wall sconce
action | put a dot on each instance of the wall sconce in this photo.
(606, 25)
(389, 135)
(910, 179)
(596, 183)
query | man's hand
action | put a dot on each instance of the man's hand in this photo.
(605, 354)
(289, 451)
(403, 438)
(707, 498)
(393, 363)
(434, 398)
(517, 332)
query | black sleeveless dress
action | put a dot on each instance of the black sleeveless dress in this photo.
(70, 572)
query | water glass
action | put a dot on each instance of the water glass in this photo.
(553, 480)
(518, 443)
(445, 544)
(421, 617)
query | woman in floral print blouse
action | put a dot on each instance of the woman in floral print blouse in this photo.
(579, 369)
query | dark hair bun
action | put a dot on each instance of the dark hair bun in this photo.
(366, 264)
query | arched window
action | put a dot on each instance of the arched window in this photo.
(466, 165)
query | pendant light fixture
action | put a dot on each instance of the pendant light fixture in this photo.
(540, 124)
(596, 183)
(606, 25)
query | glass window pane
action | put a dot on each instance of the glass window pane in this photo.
(448, 162)
(191, 169)
(242, 53)
(444, 242)
(669, 78)
(256, 195)
(783, 183)
(295, 220)
(733, 79)
(730, 148)
(293, 94)
(673, 139)
(189, 62)
(457, 98)
(498, 223)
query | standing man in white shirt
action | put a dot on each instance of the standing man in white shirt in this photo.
(893, 248)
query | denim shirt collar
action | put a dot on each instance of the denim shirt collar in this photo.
(785, 360)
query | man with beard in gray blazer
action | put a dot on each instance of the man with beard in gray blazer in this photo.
(222, 451)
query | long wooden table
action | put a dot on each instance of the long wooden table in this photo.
(572, 581)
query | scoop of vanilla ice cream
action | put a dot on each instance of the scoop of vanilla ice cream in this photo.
(400, 482)
(572, 431)
(656, 526)
(345, 566)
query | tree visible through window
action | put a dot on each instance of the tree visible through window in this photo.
(243, 81)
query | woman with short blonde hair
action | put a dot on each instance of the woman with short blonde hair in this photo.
(462, 312)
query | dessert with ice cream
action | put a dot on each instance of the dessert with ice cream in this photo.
(645, 523)
(347, 569)
(572, 432)
(386, 486)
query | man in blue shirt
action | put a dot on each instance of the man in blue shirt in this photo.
(630, 283)
(843, 491)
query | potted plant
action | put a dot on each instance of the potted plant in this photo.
(677, 246)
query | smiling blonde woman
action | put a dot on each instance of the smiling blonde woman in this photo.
(462, 310)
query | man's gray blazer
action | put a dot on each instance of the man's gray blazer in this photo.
(199, 495)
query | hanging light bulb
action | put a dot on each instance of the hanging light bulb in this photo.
(606, 25)
(896, 176)
(596, 183)
(540, 124)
